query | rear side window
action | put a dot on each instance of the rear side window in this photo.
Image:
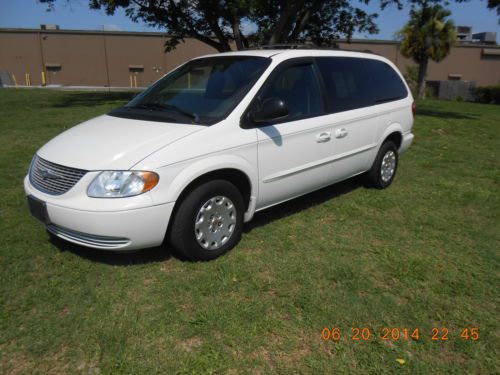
(386, 82)
(347, 83)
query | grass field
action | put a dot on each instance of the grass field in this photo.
(421, 254)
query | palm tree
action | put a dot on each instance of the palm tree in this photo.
(427, 35)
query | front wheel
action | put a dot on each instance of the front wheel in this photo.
(384, 167)
(208, 221)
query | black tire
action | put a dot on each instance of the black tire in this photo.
(182, 232)
(374, 175)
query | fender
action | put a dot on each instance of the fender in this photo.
(392, 128)
(182, 174)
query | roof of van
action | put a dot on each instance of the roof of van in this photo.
(296, 52)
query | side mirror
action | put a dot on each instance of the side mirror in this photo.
(272, 109)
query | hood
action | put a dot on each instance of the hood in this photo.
(112, 143)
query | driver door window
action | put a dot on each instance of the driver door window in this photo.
(298, 87)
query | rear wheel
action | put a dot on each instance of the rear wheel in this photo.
(208, 222)
(384, 167)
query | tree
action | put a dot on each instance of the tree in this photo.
(427, 36)
(494, 4)
(222, 24)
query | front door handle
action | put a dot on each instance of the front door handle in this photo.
(341, 133)
(323, 137)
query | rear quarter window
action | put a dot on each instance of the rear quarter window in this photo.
(347, 83)
(387, 84)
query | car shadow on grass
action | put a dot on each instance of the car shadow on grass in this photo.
(304, 202)
(161, 254)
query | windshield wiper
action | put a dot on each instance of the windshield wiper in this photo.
(164, 106)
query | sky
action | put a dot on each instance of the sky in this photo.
(75, 14)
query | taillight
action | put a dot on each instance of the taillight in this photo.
(413, 109)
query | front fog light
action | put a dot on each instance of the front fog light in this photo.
(120, 184)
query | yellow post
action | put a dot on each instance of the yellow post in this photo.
(130, 79)
(135, 81)
(44, 81)
(14, 79)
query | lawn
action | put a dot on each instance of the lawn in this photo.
(422, 254)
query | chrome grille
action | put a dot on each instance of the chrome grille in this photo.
(52, 178)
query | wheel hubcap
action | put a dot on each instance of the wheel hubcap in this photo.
(215, 222)
(388, 166)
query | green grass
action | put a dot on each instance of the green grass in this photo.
(421, 254)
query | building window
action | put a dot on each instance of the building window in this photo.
(454, 77)
(54, 68)
(490, 52)
(136, 69)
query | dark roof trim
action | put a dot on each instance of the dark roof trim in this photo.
(81, 32)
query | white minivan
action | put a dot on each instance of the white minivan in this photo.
(194, 156)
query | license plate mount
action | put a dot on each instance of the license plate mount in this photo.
(38, 209)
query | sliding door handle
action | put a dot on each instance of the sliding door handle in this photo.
(323, 137)
(341, 133)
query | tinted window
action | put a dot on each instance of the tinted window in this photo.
(202, 91)
(387, 84)
(347, 83)
(298, 87)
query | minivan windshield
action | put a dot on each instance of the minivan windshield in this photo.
(202, 91)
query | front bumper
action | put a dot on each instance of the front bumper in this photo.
(109, 230)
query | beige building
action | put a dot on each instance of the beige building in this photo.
(124, 59)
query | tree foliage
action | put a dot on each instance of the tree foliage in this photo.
(229, 24)
(319, 21)
(494, 4)
(243, 23)
(428, 35)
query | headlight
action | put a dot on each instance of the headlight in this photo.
(120, 184)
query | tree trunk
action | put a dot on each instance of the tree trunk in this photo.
(422, 76)
(284, 25)
(219, 34)
(238, 38)
(211, 42)
(303, 19)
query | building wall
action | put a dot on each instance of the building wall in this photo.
(469, 62)
(93, 58)
(81, 59)
(20, 54)
(124, 51)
